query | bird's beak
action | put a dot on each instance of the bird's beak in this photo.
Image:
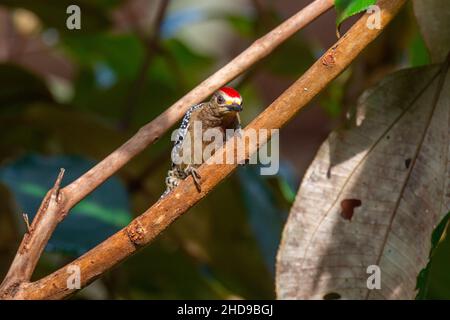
(235, 107)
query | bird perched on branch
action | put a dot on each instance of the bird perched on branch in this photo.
(221, 112)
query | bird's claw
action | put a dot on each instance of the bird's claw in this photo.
(238, 132)
(196, 177)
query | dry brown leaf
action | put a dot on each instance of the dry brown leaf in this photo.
(433, 17)
(372, 195)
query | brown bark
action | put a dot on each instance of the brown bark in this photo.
(42, 228)
(147, 226)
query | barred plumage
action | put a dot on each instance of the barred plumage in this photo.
(221, 112)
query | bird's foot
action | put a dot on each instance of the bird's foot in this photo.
(238, 132)
(196, 177)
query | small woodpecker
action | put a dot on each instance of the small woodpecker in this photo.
(220, 112)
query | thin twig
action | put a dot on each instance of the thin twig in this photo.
(146, 227)
(50, 213)
(151, 132)
(48, 216)
(27, 222)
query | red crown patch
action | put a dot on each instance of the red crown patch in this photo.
(232, 93)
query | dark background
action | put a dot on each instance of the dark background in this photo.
(70, 97)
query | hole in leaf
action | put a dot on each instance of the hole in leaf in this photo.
(348, 206)
(407, 163)
(332, 296)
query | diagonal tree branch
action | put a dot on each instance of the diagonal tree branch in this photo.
(152, 222)
(46, 220)
(151, 132)
(36, 238)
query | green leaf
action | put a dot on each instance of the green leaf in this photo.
(347, 8)
(97, 217)
(19, 87)
(433, 17)
(418, 52)
(423, 278)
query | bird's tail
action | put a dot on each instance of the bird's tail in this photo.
(172, 180)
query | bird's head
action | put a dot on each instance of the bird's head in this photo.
(227, 100)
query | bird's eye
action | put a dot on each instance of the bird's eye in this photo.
(220, 100)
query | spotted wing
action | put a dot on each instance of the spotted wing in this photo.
(182, 131)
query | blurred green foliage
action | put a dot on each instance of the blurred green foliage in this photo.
(19, 87)
(118, 76)
(52, 12)
(224, 247)
(97, 217)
